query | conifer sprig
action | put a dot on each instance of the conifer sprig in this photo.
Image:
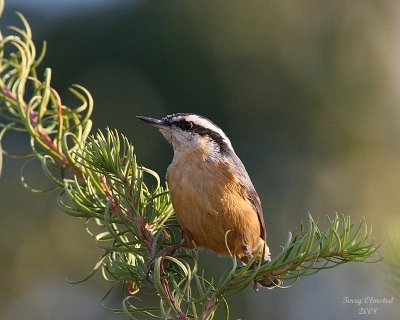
(127, 208)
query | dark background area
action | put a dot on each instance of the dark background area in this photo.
(306, 91)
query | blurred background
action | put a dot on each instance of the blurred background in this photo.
(307, 92)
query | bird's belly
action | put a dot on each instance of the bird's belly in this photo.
(210, 206)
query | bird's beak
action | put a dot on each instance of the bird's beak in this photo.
(160, 124)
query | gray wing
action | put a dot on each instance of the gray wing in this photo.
(250, 192)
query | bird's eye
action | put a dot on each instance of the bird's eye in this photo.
(185, 125)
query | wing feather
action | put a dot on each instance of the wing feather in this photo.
(250, 193)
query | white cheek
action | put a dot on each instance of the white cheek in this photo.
(181, 136)
(189, 136)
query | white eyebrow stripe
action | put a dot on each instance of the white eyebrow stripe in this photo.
(208, 125)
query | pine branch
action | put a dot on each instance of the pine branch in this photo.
(132, 219)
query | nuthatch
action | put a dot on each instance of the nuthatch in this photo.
(214, 199)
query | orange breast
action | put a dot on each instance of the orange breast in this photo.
(209, 202)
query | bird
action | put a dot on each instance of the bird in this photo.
(214, 199)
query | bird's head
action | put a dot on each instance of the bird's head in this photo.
(191, 132)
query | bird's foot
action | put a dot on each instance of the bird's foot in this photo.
(167, 250)
(256, 285)
(247, 255)
(188, 241)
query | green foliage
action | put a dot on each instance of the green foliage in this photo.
(127, 209)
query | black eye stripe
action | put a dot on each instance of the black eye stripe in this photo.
(216, 137)
(190, 126)
(184, 124)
